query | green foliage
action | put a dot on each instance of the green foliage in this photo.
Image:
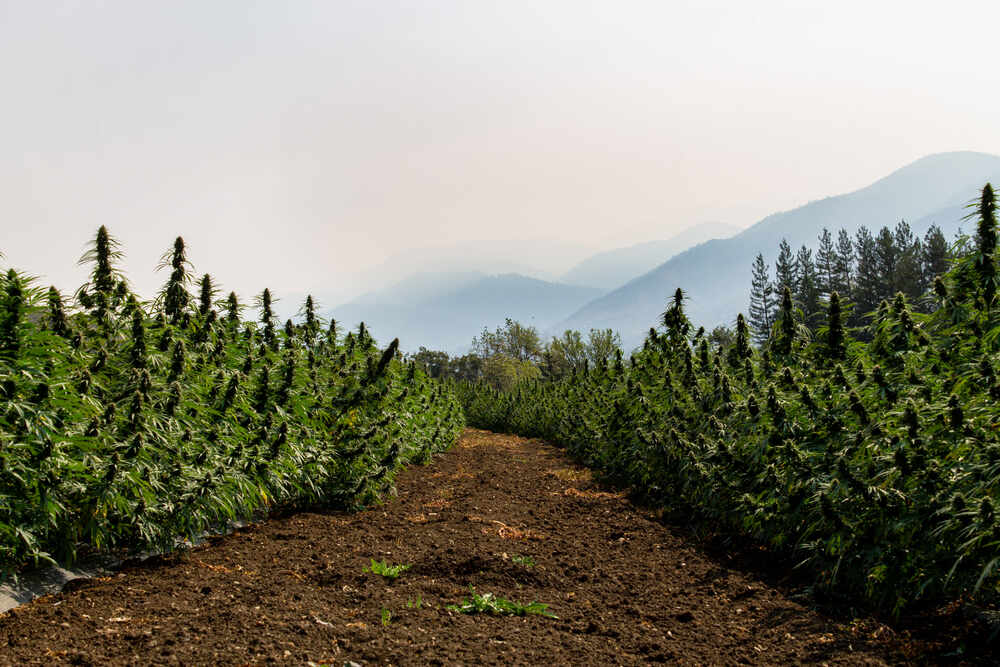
(570, 351)
(877, 463)
(524, 561)
(488, 603)
(434, 362)
(505, 372)
(761, 301)
(129, 426)
(513, 340)
(386, 569)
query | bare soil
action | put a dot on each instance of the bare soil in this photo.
(626, 588)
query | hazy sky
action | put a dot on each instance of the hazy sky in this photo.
(295, 144)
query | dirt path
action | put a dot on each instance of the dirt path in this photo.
(626, 589)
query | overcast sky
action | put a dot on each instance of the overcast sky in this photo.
(297, 144)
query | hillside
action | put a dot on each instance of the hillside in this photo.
(445, 311)
(547, 259)
(716, 274)
(613, 268)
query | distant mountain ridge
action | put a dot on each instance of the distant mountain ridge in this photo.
(444, 311)
(716, 274)
(613, 268)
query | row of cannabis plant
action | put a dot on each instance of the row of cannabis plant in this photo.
(127, 425)
(878, 463)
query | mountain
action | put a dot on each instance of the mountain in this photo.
(614, 268)
(543, 258)
(444, 311)
(716, 274)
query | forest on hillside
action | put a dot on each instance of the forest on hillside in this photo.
(863, 271)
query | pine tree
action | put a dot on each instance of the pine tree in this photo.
(784, 268)
(908, 278)
(887, 255)
(867, 283)
(806, 285)
(934, 255)
(826, 264)
(844, 281)
(761, 302)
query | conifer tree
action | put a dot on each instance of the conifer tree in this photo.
(887, 255)
(826, 264)
(761, 301)
(867, 283)
(844, 281)
(784, 268)
(908, 277)
(934, 255)
(806, 286)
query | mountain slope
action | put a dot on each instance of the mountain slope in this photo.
(447, 316)
(614, 268)
(716, 274)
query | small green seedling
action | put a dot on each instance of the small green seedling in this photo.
(410, 604)
(488, 603)
(524, 561)
(386, 569)
(386, 617)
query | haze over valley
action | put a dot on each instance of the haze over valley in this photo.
(626, 289)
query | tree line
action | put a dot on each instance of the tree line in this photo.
(863, 270)
(516, 352)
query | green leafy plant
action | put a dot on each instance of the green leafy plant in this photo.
(488, 603)
(386, 617)
(524, 561)
(386, 569)
(869, 451)
(415, 604)
(128, 425)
